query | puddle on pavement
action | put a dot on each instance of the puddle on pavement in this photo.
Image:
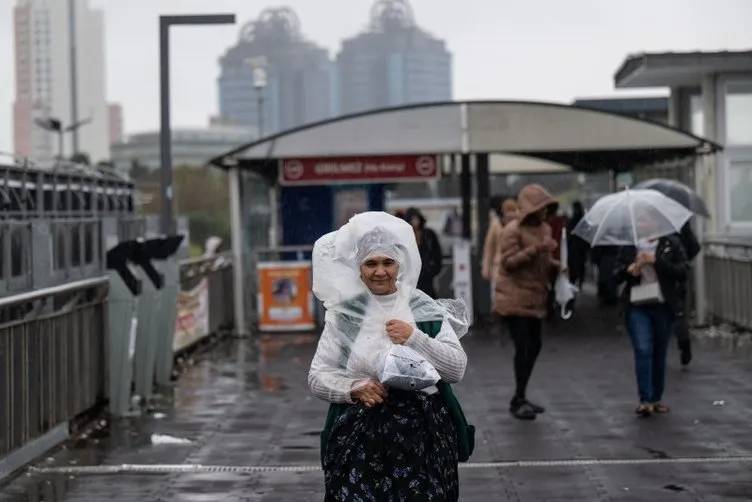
(166, 439)
(656, 453)
(675, 488)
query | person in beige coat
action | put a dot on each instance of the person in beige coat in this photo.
(506, 212)
(523, 279)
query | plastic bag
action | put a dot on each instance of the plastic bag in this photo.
(406, 369)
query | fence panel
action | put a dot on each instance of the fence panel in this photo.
(728, 268)
(51, 348)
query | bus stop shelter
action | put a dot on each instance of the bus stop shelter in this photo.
(466, 133)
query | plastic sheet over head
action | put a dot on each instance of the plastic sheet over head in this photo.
(337, 256)
(355, 345)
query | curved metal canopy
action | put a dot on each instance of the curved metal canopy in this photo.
(585, 139)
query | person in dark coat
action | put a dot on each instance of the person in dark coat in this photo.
(681, 325)
(605, 259)
(578, 247)
(650, 318)
(430, 251)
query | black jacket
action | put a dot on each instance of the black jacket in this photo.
(430, 255)
(671, 265)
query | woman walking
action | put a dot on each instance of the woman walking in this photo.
(506, 212)
(430, 250)
(655, 272)
(385, 360)
(522, 286)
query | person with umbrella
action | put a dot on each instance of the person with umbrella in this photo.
(653, 264)
(688, 198)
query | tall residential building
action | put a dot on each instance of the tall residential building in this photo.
(43, 77)
(393, 62)
(273, 69)
(116, 123)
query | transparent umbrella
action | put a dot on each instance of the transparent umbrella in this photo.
(631, 216)
(678, 191)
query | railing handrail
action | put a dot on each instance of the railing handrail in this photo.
(200, 259)
(285, 249)
(742, 242)
(54, 290)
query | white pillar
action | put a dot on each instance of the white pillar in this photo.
(238, 263)
(705, 184)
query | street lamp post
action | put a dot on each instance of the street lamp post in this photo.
(167, 222)
(55, 125)
(259, 84)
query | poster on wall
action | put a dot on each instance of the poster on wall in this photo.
(285, 300)
(192, 321)
(462, 274)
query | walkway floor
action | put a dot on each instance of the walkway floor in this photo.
(245, 405)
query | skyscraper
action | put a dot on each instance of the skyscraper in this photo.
(43, 77)
(274, 69)
(393, 62)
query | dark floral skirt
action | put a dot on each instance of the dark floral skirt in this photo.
(404, 450)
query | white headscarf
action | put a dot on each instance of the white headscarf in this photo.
(337, 256)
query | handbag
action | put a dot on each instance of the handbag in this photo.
(645, 294)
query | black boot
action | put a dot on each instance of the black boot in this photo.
(536, 408)
(521, 409)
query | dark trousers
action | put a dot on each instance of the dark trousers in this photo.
(649, 329)
(526, 335)
(681, 329)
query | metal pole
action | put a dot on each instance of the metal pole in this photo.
(73, 69)
(238, 263)
(260, 98)
(466, 190)
(166, 221)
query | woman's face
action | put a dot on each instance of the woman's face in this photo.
(379, 273)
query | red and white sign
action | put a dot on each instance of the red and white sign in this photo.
(381, 169)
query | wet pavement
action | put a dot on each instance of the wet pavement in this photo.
(244, 406)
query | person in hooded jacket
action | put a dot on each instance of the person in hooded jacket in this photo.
(525, 271)
(430, 250)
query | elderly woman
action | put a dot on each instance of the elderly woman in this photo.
(393, 431)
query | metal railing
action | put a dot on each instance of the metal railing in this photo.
(728, 271)
(67, 190)
(52, 356)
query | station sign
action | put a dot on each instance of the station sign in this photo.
(369, 169)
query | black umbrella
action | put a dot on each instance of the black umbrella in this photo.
(678, 191)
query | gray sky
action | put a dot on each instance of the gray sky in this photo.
(548, 50)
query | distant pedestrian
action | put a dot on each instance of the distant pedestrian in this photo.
(430, 251)
(655, 272)
(578, 248)
(604, 257)
(522, 286)
(506, 211)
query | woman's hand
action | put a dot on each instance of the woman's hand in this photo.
(398, 331)
(634, 269)
(646, 258)
(370, 394)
